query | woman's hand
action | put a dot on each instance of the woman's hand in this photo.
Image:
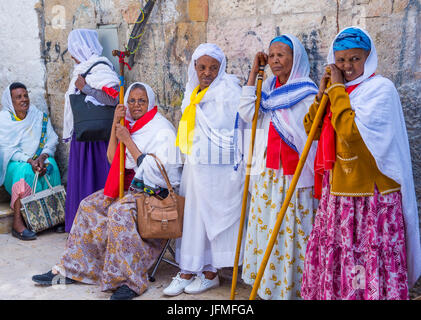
(80, 82)
(122, 133)
(119, 113)
(323, 84)
(336, 74)
(38, 165)
(260, 56)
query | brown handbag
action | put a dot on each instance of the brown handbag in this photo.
(160, 218)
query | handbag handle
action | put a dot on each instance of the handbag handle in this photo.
(34, 184)
(90, 68)
(163, 172)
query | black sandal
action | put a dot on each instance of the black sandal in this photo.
(123, 293)
(49, 279)
(24, 235)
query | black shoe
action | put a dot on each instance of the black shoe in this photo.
(49, 279)
(60, 228)
(24, 235)
(123, 293)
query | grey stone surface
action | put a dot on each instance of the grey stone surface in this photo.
(20, 260)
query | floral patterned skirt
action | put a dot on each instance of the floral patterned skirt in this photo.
(283, 275)
(356, 250)
(104, 246)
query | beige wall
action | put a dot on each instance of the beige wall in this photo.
(240, 28)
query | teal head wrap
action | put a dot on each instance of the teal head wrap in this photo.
(283, 39)
(351, 38)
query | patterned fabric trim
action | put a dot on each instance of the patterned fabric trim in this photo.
(346, 194)
(334, 86)
(390, 191)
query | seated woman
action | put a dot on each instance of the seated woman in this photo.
(365, 241)
(27, 146)
(104, 246)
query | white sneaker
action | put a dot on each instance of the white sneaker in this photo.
(177, 285)
(201, 284)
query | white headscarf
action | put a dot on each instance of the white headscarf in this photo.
(370, 65)
(294, 96)
(380, 121)
(217, 125)
(21, 138)
(289, 121)
(151, 98)
(83, 44)
(157, 137)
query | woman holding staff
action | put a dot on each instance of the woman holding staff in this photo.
(280, 139)
(365, 242)
(104, 246)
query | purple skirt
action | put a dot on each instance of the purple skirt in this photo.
(87, 173)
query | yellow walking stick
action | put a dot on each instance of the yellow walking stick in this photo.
(291, 189)
(248, 169)
(121, 56)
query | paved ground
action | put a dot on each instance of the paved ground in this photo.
(20, 260)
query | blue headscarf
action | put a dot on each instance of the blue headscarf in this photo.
(351, 38)
(283, 39)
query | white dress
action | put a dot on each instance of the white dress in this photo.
(212, 188)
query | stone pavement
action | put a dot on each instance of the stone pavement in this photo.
(20, 260)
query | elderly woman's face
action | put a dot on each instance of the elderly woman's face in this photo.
(351, 62)
(207, 69)
(280, 60)
(20, 100)
(138, 103)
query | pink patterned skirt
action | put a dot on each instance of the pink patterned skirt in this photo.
(356, 249)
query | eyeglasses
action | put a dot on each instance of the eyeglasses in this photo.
(139, 102)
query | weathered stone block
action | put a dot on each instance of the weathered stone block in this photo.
(231, 9)
(378, 8)
(294, 7)
(198, 10)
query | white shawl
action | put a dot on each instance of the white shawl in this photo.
(83, 44)
(215, 115)
(19, 140)
(157, 137)
(380, 121)
(288, 121)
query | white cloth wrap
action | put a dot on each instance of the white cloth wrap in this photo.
(83, 44)
(290, 120)
(209, 171)
(19, 140)
(380, 121)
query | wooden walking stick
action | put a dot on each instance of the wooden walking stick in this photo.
(248, 169)
(121, 55)
(131, 49)
(291, 189)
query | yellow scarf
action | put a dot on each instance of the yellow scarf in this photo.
(16, 117)
(185, 132)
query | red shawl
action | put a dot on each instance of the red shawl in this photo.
(279, 150)
(112, 184)
(326, 148)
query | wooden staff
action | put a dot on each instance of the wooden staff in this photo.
(248, 169)
(291, 189)
(121, 55)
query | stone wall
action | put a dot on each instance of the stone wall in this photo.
(239, 27)
(243, 27)
(20, 50)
